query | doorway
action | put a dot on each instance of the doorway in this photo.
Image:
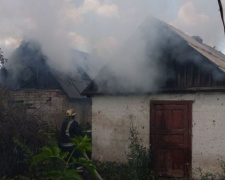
(170, 137)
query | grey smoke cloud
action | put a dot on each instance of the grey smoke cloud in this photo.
(135, 67)
(147, 61)
(53, 24)
(98, 26)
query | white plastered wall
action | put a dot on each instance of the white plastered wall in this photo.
(112, 115)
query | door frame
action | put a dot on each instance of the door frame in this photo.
(175, 102)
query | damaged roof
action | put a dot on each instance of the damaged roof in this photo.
(209, 56)
(28, 69)
(209, 52)
(72, 85)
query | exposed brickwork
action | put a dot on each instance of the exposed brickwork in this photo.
(51, 105)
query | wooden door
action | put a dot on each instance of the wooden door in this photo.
(170, 136)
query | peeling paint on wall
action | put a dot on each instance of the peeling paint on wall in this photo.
(208, 131)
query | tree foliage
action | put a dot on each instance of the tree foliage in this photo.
(2, 58)
(139, 157)
(21, 135)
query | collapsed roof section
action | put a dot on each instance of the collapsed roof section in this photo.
(72, 85)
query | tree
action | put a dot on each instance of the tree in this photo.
(2, 58)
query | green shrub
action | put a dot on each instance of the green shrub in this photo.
(139, 166)
(139, 158)
(211, 175)
(54, 164)
(21, 135)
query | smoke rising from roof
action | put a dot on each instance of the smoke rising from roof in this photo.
(131, 69)
(23, 64)
(98, 27)
(145, 62)
(54, 24)
(83, 24)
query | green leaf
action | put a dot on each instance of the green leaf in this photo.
(55, 151)
(54, 173)
(69, 174)
(47, 151)
(89, 165)
(39, 158)
(73, 160)
(72, 174)
(63, 155)
(83, 144)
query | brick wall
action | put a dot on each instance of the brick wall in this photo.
(51, 105)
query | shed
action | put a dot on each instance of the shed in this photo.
(46, 91)
(177, 102)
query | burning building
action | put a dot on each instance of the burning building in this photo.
(47, 92)
(171, 87)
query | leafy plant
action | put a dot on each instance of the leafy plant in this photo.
(59, 165)
(209, 175)
(27, 153)
(139, 158)
(222, 165)
(21, 135)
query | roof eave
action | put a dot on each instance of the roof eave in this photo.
(167, 90)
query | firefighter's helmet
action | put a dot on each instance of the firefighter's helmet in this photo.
(70, 112)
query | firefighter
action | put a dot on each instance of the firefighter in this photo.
(69, 129)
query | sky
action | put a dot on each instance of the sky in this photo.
(100, 26)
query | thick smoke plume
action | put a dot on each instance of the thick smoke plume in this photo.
(143, 63)
(99, 27)
(55, 25)
(23, 64)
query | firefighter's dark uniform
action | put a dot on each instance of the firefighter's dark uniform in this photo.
(69, 129)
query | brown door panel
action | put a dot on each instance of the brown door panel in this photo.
(170, 127)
